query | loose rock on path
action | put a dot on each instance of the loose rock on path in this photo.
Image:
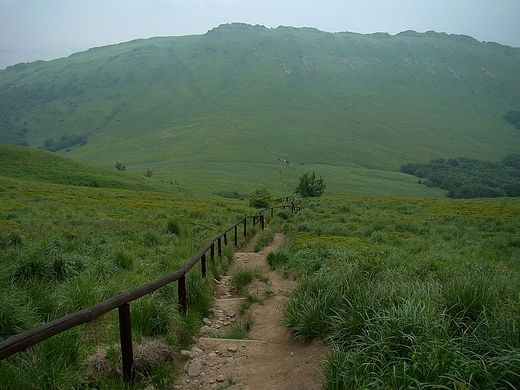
(269, 358)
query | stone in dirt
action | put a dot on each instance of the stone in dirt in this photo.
(195, 368)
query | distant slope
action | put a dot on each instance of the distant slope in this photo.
(42, 166)
(220, 110)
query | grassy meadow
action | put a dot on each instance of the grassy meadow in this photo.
(407, 294)
(64, 248)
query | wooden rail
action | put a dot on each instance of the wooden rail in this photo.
(24, 340)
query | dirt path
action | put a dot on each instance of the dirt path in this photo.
(268, 358)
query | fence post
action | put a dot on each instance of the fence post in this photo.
(203, 265)
(125, 333)
(262, 221)
(219, 247)
(225, 239)
(181, 287)
(212, 251)
(245, 227)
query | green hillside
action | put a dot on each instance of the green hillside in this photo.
(220, 111)
(40, 166)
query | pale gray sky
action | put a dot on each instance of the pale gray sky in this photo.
(48, 29)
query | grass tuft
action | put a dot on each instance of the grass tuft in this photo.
(277, 258)
(11, 240)
(265, 238)
(173, 227)
(123, 260)
(151, 239)
(241, 277)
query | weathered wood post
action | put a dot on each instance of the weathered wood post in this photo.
(219, 247)
(236, 235)
(125, 333)
(181, 287)
(203, 265)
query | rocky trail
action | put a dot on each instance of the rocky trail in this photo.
(268, 358)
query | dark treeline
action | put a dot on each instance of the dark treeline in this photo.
(11, 134)
(66, 141)
(465, 177)
(513, 117)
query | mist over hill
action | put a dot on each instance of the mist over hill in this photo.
(247, 106)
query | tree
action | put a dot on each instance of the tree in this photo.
(149, 173)
(310, 186)
(120, 167)
(260, 198)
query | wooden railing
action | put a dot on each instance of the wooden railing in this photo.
(121, 302)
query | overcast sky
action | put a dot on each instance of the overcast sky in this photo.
(48, 29)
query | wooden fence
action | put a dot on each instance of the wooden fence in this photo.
(22, 341)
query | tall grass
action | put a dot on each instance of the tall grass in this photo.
(408, 294)
(69, 248)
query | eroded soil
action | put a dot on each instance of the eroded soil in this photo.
(269, 358)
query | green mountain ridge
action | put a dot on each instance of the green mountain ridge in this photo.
(247, 106)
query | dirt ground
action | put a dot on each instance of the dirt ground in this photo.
(269, 358)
